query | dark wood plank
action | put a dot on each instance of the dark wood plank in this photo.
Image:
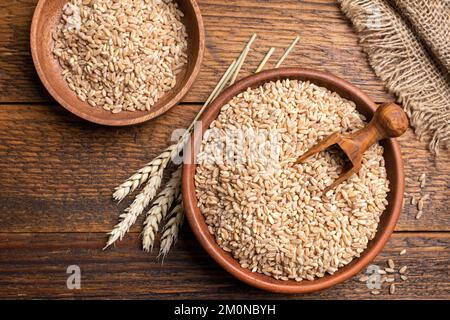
(328, 42)
(34, 266)
(57, 171)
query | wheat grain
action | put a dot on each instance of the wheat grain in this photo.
(420, 204)
(392, 288)
(389, 279)
(159, 209)
(391, 263)
(419, 214)
(402, 252)
(121, 55)
(270, 215)
(422, 180)
(171, 229)
(364, 278)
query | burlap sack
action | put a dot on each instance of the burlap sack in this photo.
(408, 46)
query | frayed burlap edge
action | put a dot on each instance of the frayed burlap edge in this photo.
(401, 60)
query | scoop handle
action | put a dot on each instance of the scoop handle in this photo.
(389, 121)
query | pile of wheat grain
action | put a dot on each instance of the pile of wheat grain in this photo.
(268, 212)
(121, 55)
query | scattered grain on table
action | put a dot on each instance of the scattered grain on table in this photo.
(390, 279)
(392, 288)
(391, 263)
(419, 214)
(420, 205)
(422, 180)
(364, 278)
(403, 269)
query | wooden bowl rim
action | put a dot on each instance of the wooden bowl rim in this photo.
(48, 83)
(224, 259)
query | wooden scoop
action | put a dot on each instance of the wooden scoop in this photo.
(389, 121)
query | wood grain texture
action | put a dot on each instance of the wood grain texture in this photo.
(34, 266)
(327, 39)
(57, 172)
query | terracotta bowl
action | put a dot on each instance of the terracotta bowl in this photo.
(389, 217)
(45, 19)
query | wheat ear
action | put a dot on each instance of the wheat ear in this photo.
(160, 208)
(242, 58)
(171, 229)
(128, 218)
(150, 169)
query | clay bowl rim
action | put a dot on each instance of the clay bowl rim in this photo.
(50, 78)
(387, 222)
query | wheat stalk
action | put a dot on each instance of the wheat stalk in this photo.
(265, 59)
(149, 170)
(225, 78)
(159, 209)
(128, 218)
(242, 58)
(171, 229)
(286, 53)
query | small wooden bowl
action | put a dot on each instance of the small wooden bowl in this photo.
(45, 19)
(394, 167)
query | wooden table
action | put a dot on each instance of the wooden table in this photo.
(57, 172)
